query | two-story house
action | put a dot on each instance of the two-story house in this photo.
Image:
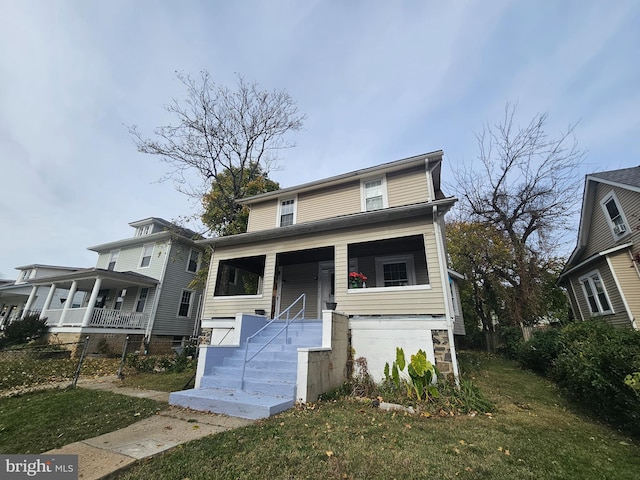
(138, 288)
(369, 244)
(602, 276)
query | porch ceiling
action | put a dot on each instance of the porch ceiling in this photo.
(306, 256)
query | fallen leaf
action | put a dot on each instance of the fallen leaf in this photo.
(329, 453)
(461, 442)
(506, 452)
(408, 426)
(195, 427)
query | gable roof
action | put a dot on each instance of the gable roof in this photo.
(433, 159)
(627, 178)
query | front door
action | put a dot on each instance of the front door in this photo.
(326, 285)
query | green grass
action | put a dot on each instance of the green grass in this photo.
(162, 382)
(35, 422)
(531, 435)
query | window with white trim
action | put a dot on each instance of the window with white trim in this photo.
(147, 251)
(194, 261)
(142, 299)
(595, 293)
(144, 230)
(286, 212)
(395, 271)
(113, 258)
(374, 194)
(184, 310)
(615, 216)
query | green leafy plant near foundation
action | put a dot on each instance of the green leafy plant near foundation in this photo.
(419, 378)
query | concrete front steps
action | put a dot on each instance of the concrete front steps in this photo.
(269, 380)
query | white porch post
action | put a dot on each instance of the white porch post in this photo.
(32, 297)
(47, 302)
(92, 302)
(68, 304)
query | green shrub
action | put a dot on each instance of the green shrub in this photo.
(592, 367)
(421, 375)
(510, 341)
(19, 332)
(539, 353)
(176, 363)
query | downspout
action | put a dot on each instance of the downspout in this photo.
(156, 298)
(448, 306)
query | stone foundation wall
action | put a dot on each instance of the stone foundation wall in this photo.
(442, 352)
(205, 336)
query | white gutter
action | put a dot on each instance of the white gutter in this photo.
(587, 261)
(444, 277)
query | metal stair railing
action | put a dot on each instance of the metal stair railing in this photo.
(300, 315)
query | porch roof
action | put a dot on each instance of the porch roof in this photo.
(336, 223)
(86, 278)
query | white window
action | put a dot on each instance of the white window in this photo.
(615, 216)
(27, 274)
(147, 251)
(194, 261)
(395, 271)
(119, 300)
(144, 230)
(595, 293)
(113, 258)
(184, 310)
(287, 212)
(142, 299)
(374, 194)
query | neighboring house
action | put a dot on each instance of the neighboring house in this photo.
(602, 276)
(305, 247)
(139, 287)
(14, 295)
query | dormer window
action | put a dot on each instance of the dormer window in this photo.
(27, 274)
(286, 212)
(374, 194)
(615, 216)
(144, 230)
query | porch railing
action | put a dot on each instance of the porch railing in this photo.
(101, 318)
(284, 315)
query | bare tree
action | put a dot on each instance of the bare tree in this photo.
(219, 131)
(526, 187)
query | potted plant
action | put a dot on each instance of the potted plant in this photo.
(357, 280)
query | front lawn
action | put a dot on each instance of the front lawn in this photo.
(35, 422)
(532, 434)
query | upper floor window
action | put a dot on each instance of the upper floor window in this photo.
(286, 212)
(147, 251)
(595, 293)
(374, 194)
(194, 261)
(184, 310)
(615, 216)
(113, 258)
(143, 230)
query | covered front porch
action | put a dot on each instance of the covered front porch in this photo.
(111, 300)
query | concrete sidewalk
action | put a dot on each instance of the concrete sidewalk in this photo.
(106, 454)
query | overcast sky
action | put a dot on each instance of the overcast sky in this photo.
(378, 81)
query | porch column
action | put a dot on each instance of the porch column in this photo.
(29, 304)
(69, 303)
(47, 302)
(92, 302)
